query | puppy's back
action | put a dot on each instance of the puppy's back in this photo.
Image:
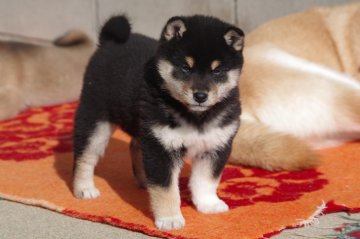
(115, 74)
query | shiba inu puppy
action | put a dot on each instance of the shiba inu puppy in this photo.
(177, 98)
(34, 75)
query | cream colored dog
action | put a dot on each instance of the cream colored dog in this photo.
(300, 88)
(39, 75)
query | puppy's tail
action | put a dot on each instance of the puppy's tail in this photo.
(72, 38)
(116, 29)
(256, 145)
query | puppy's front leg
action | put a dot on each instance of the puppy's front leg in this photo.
(162, 170)
(165, 204)
(204, 180)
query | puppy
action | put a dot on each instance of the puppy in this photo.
(40, 75)
(177, 98)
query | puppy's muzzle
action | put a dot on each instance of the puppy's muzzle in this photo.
(200, 97)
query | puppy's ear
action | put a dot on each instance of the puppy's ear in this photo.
(174, 28)
(234, 37)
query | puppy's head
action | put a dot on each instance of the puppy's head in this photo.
(200, 59)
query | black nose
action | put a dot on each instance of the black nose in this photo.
(200, 97)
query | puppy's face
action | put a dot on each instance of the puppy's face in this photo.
(200, 60)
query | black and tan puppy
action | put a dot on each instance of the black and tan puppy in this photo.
(177, 98)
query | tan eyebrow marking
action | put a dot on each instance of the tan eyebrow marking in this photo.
(215, 64)
(190, 61)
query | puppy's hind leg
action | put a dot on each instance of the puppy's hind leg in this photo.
(91, 140)
(137, 162)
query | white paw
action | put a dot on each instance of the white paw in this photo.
(170, 223)
(86, 193)
(214, 206)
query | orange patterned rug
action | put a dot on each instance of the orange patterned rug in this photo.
(36, 164)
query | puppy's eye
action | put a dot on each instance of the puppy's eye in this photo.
(217, 72)
(185, 69)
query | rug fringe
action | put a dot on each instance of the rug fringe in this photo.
(32, 202)
(314, 218)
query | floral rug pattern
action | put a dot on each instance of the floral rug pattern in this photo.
(36, 169)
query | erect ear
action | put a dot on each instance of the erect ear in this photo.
(174, 28)
(234, 37)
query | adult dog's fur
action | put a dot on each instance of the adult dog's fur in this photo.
(39, 75)
(185, 102)
(300, 88)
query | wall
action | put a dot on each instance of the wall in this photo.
(46, 19)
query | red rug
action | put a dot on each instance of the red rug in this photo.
(36, 169)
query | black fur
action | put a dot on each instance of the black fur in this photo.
(123, 86)
(116, 29)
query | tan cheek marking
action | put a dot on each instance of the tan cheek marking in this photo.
(214, 88)
(186, 92)
(185, 88)
(215, 64)
(213, 93)
(190, 61)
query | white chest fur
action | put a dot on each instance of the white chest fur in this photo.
(196, 142)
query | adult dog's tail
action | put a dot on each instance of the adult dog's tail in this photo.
(116, 29)
(256, 145)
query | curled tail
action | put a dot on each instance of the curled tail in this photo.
(116, 29)
(256, 145)
(72, 38)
